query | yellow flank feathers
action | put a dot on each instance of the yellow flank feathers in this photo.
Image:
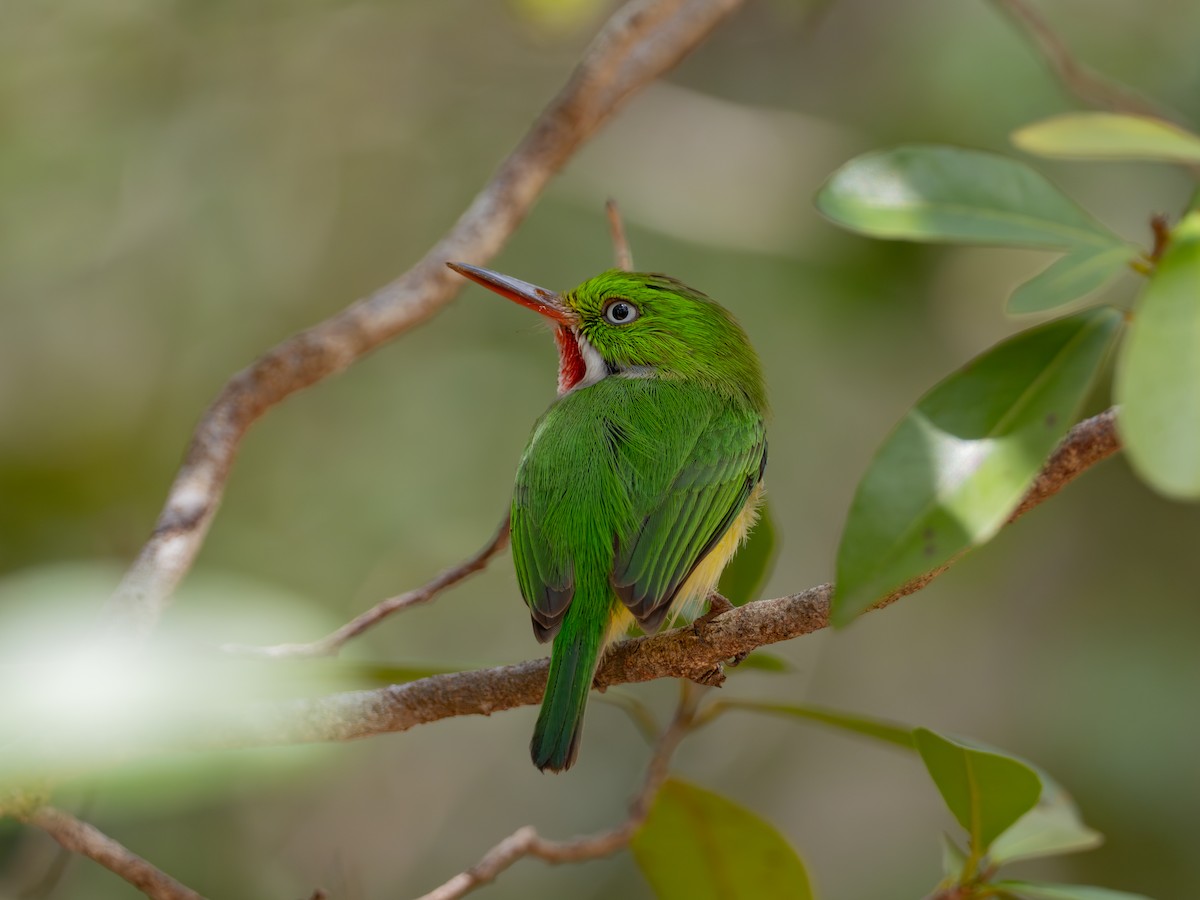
(703, 580)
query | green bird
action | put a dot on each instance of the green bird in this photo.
(641, 480)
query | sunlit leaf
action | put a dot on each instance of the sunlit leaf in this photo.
(879, 729)
(959, 463)
(932, 193)
(762, 661)
(1158, 373)
(986, 791)
(1075, 275)
(751, 566)
(1099, 135)
(696, 845)
(1051, 828)
(1028, 890)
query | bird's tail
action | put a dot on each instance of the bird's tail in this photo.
(573, 663)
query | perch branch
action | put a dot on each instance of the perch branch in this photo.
(641, 41)
(333, 642)
(89, 841)
(695, 652)
(527, 842)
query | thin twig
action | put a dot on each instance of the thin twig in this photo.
(641, 41)
(1084, 82)
(622, 255)
(333, 642)
(527, 842)
(89, 841)
(695, 652)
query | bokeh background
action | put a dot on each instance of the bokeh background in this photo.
(186, 183)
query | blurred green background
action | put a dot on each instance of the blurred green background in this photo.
(186, 183)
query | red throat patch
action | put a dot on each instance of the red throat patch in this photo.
(571, 367)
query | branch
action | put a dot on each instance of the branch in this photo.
(622, 255)
(695, 652)
(333, 642)
(642, 40)
(89, 841)
(527, 842)
(1084, 82)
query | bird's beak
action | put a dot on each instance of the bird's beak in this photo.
(540, 300)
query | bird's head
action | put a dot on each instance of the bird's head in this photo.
(637, 325)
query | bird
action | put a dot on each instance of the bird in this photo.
(640, 481)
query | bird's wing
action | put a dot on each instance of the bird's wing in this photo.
(722, 461)
(546, 584)
(629, 482)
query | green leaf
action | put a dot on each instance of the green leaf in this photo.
(762, 661)
(1033, 891)
(1095, 135)
(986, 791)
(750, 568)
(1158, 373)
(875, 728)
(931, 193)
(954, 860)
(1051, 828)
(959, 463)
(696, 845)
(1083, 270)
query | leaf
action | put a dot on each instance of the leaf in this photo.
(696, 845)
(748, 571)
(1051, 828)
(762, 661)
(1080, 272)
(1158, 373)
(1033, 891)
(986, 791)
(932, 193)
(959, 463)
(953, 858)
(875, 728)
(1096, 135)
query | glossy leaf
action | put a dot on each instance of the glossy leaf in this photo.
(986, 791)
(1158, 374)
(879, 729)
(1028, 890)
(1051, 828)
(751, 566)
(1083, 270)
(932, 193)
(958, 464)
(1098, 135)
(696, 845)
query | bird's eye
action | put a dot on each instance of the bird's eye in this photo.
(620, 312)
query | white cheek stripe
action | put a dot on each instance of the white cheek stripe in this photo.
(594, 367)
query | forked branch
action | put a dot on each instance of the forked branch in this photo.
(527, 842)
(641, 41)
